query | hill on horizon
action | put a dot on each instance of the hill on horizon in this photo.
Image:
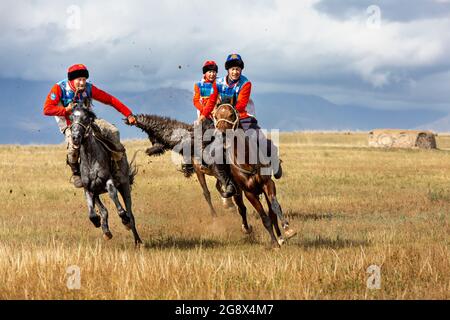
(24, 123)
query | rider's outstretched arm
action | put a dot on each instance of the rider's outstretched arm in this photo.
(244, 97)
(110, 100)
(196, 99)
(206, 112)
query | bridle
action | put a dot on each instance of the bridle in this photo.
(79, 105)
(233, 123)
(88, 131)
(87, 128)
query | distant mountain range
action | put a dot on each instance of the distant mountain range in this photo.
(23, 122)
(439, 125)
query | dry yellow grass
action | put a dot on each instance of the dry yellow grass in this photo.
(353, 207)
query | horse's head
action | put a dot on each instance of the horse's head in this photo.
(226, 117)
(82, 119)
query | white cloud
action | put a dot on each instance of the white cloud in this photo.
(138, 45)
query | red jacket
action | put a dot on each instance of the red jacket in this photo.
(228, 91)
(53, 105)
(205, 97)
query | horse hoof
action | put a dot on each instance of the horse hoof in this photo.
(289, 233)
(247, 231)
(107, 235)
(137, 244)
(281, 241)
(213, 213)
(96, 220)
(227, 203)
(127, 225)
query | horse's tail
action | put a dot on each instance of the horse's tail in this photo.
(133, 168)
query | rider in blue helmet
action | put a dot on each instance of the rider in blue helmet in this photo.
(234, 88)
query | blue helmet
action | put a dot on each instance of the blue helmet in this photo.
(234, 60)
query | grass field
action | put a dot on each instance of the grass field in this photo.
(352, 206)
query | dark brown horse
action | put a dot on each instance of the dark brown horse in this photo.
(249, 179)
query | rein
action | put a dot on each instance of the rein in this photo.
(88, 129)
(233, 123)
(252, 172)
(255, 167)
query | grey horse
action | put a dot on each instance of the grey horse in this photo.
(97, 174)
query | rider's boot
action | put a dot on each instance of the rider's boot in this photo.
(278, 170)
(222, 174)
(186, 162)
(76, 175)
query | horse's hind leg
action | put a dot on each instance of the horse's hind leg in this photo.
(264, 217)
(274, 219)
(112, 191)
(271, 194)
(273, 216)
(246, 228)
(93, 216)
(104, 213)
(206, 193)
(125, 191)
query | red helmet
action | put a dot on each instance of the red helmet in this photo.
(210, 65)
(77, 71)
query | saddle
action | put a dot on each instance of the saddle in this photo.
(116, 153)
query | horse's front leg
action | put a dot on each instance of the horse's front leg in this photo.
(112, 191)
(271, 196)
(264, 217)
(206, 193)
(93, 216)
(246, 228)
(104, 213)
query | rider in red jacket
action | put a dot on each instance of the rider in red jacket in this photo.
(204, 89)
(234, 88)
(61, 100)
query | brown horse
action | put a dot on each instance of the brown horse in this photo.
(249, 179)
(162, 133)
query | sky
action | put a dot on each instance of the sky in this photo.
(378, 54)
